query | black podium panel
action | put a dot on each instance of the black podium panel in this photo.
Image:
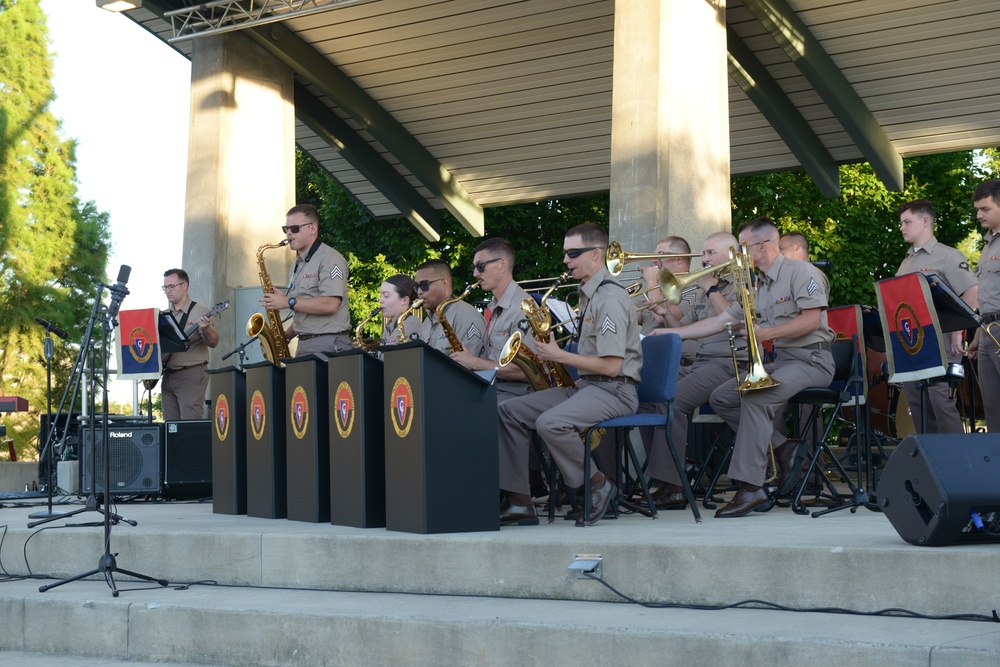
(267, 479)
(228, 391)
(935, 486)
(442, 467)
(357, 442)
(307, 434)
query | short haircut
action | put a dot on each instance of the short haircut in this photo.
(677, 244)
(181, 273)
(499, 247)
(590, 234)
(438, 267)
(918, 207)
(990, 188)
(797, 237)
(307, 210)
(763, 224)
(403, 285)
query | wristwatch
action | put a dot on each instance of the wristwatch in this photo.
(291, 303)
(712, 290)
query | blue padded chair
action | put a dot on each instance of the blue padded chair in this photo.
(661, 360)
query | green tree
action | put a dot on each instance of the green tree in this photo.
(859, 231)
(377, 249)
(54, 248)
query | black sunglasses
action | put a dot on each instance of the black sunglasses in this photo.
(425, 285)
(294, 229)
(481, 266)
(573, 253)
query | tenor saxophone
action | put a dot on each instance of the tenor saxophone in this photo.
(456, 344)
(270, 331)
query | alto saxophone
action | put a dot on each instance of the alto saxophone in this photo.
(270, 332)
(400, 331)
(359, 339)
(456, 344)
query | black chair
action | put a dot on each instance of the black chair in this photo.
(839, 393)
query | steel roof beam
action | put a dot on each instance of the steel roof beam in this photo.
(784, 117)
(349, 96)
(332, 129)
(816, 65)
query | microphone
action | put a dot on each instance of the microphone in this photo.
(823, 264)
(53, 328)
(119, 291)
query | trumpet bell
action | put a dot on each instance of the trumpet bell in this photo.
(615, 258)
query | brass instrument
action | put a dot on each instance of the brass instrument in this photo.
(361, 343)
(757, 377)
(615, 258)
(514, 351)
(270, 331)
(672, 284)
(456, 344)
(986, 330)
(540, 319)
(400, 331)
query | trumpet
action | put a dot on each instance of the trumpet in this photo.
(615, 258)
(672, 284)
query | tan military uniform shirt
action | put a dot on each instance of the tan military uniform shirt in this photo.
(390, 332)
(506, 318)
(467, 323)
(197, 353)
(787, 288)
(934, 257)
(324, 274)
(716, 345)
(988, 273)
(609, 327)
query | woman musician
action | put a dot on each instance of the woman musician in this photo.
(396, 296)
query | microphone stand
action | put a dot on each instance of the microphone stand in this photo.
(107, 564)
(47, 454)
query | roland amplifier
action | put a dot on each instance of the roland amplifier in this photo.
(133, 456)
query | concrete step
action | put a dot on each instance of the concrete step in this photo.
(28, 659)
(854, 561)
(213, 625)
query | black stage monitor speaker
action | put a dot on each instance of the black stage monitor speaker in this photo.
(187, 460)
(133, 455)
(944, 489)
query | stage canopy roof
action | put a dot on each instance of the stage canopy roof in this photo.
(415, 104)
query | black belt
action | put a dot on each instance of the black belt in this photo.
(990, 317)
(605, 378)
(184, 368)
(310, 336)
(811, 346)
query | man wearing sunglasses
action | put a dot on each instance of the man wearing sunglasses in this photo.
(433, 284)
(609, 359)
(185, 381)
(317, 288)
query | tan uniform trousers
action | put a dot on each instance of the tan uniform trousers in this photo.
(989, 381)
(183, 393)
(694, 389)
(559, 415)
(752, 416)
(942, 410)
(324, 346)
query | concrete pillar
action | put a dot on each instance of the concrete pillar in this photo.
(241, 174)
(670, 123)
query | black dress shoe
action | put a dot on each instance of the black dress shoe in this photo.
(668, 497)
(522, 515)
(600, 500)
(746, 500)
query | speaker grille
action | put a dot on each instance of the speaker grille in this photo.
(133, 458)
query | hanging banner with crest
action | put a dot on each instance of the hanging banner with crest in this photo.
(138, 344)
(914, 344)
(846, 322)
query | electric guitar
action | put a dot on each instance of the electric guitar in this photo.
(212, 312)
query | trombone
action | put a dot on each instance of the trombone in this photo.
(615, 258)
